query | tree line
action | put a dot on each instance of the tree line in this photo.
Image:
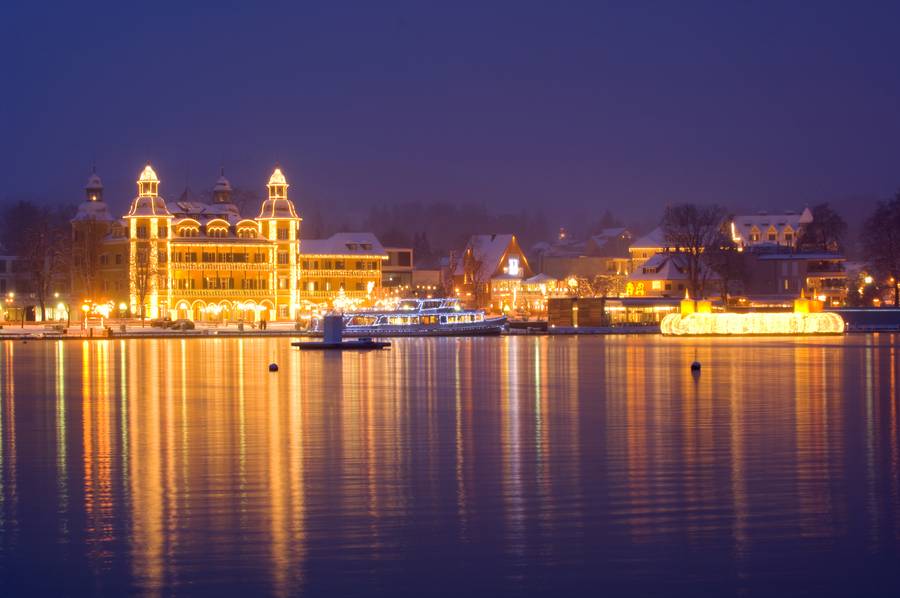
(41, 237)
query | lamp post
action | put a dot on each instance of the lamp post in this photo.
(10, 299)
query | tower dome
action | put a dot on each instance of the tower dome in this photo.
(94, 187)
(222, 189)
(148, 202)
(277, 205)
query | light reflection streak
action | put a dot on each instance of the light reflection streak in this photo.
(512, 448)
(62, 476)
(277, 514)
(8, 468)
(459, 453)
(361, 438)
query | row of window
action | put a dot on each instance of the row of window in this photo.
(314, 285)
(208, 282)
(218, 257)
(771, 236)
(337, 265)
(143, 232)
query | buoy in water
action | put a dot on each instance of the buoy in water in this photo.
(273, 367)
(695, 366)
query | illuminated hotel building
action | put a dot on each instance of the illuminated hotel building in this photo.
(199, 261)
(347, 264)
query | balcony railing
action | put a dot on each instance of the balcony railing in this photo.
(340, 273)
(222, 292)
(332, 294)
(236, 266)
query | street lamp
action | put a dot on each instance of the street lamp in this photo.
(10, 299)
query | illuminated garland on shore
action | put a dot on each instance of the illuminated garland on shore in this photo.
(730, 324)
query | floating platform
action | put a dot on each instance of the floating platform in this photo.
(362, 344)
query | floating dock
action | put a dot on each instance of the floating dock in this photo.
(361, 344)
(332, 341)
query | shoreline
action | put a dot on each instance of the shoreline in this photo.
(35, 335)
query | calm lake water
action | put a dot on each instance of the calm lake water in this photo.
(495, 466)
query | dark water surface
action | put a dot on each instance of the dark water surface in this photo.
(506, 466)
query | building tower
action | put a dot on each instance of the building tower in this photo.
(222, 189)
(148, 235)
(280, 224)
(90, 227)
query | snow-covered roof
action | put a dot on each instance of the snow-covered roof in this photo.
(277, 208)
(487, 249)
(203, 212)
(565, 248)
(610, 242)
(802, 256)
(222, 184)
(652, 240)
(668, 265)
(539, 278)
(362, 244)
(763, 220)
(94, 183)
(92, 210)
(148, 206)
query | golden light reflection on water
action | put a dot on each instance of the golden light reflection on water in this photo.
(190, 451)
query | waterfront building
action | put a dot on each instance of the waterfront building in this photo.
(489, 272)
(664, 274)
(604, 255)
(397, 271)
(783, 229)
(189, 260)
(778, 274)
(345, 266)
(646, 247)
(427, 282)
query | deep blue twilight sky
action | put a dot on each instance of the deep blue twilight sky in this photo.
(576, 106)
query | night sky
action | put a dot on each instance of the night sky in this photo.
(570, 106)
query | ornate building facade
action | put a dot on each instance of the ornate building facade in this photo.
(187, 259)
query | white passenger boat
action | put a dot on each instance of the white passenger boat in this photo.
(419, 317)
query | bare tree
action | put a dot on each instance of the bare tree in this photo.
(599, 286)
(45, 256)
(87, 246)
(881, 243)
(691, 229)
(724, 259)
(825, 232)
(475, 276)
(142, 275)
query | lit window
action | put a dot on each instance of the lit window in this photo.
(513, 266)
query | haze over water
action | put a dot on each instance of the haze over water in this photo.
(501, 466)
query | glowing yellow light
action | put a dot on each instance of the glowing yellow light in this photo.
(822, 297)
(868, 280)
(60, 307)
(122, 307)
(708, 324)
(277, 178)
(85, 308)
(148, 175)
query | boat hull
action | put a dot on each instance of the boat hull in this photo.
(491, 327)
